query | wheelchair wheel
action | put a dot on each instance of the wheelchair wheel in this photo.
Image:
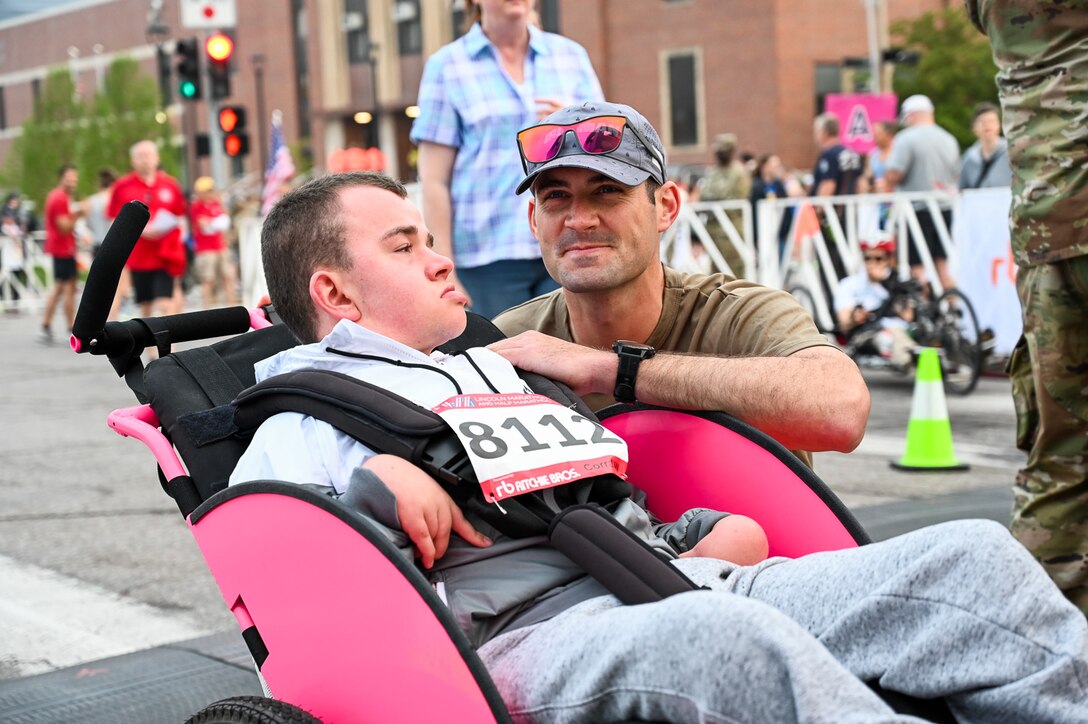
(954, 329)
(252, 710)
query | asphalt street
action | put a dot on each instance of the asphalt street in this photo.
(96, 563)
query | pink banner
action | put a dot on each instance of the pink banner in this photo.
(857, 112)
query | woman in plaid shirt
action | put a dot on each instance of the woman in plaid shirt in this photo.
(476, 93)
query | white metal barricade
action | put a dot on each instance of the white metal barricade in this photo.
(26, 270)
(676, 243)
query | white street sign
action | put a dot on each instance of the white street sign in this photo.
(208, 14)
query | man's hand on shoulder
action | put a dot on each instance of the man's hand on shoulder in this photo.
(584, 369)
(426, 512)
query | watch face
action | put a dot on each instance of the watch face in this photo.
(622, 345)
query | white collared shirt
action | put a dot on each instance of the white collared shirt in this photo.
(298, 448)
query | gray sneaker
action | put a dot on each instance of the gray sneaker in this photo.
(45, 336)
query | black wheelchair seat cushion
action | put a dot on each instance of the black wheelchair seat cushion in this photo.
(203, 378)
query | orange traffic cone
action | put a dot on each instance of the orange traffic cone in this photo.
(929, 432)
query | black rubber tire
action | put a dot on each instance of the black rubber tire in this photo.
(805, 299)
(958, 335)
(252, 710)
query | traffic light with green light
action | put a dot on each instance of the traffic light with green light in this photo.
(187, 52)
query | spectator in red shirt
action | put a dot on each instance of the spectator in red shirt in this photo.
(60, 243)
(208, 222)
(159, 257)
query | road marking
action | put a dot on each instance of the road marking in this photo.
(49, 621)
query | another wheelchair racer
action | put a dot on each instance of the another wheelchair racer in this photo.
(869, 311)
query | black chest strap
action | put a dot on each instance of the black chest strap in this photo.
(388, 423)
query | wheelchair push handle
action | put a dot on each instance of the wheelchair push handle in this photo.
(105, 272)
(135, 335)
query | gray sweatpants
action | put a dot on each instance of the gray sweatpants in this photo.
(959, 610)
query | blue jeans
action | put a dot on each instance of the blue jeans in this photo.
(497, 286)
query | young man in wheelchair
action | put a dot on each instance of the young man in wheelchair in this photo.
(958, 611)
(871, 314)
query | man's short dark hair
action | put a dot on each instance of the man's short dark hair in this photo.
(890, 127)
(303, 232)
(651, 190)
(828, 123)
(65, 168)
(983, 108)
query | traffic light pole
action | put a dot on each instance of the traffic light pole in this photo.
(188, 149)
(216, 156)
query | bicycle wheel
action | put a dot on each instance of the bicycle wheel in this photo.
(805, 299)
(956, 332)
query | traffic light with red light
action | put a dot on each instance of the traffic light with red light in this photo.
(219, 47)
(232, 122)
(188, 68)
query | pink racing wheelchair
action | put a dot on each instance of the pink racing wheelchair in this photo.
(398, 639)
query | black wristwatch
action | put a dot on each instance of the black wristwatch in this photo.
(631, 355)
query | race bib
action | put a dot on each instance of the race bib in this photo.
(519, 443)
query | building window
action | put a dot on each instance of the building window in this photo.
(355, 31)
(684, 111)
(828, 80)
(549, 15)
(35, 92)
(409, 27)
(3, 110)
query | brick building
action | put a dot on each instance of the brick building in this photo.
(757, 68)
(696, 68)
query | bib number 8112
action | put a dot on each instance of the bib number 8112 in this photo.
(483, 442)
(519, 443)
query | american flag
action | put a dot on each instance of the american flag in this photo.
(280, 166)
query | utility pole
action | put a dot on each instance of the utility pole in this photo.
(871, 9)
(258, 60)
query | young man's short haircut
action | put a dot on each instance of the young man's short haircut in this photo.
(303, 232)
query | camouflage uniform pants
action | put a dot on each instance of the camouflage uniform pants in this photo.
(1049, 373)
(725, 246)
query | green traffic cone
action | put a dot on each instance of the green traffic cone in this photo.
(929, 432)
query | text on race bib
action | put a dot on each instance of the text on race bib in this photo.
(519, 443)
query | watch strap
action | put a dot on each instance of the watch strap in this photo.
(630, 357)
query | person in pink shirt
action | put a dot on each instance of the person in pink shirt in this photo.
(60, 243)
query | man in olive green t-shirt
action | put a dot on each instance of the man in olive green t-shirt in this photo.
(721, 343)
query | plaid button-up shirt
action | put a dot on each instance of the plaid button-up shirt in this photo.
(467, 101)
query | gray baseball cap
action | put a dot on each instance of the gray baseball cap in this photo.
(639, 156)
